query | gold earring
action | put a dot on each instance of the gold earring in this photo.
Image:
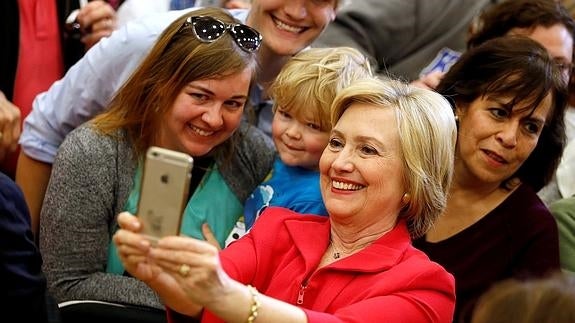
(406, 198)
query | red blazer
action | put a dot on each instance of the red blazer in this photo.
(389, 281)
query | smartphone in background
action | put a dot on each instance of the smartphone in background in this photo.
(164, 191)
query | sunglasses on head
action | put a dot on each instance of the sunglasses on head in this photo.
(208, 29)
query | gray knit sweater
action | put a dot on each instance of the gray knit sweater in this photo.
(91, 180)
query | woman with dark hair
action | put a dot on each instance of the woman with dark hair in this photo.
(509, 98)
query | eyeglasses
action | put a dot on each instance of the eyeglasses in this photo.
(208, 29)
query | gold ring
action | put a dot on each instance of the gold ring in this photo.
(184, 270)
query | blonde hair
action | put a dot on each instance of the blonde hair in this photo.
(176, 59)
(427, 136)
(310, 80)
(544, 300)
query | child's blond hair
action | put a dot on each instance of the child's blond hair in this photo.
(308, 83)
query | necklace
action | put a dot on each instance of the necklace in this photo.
(335, 254)
(338, 254)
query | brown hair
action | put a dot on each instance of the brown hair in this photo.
(547, 300)
(176, 59)
(499, 19)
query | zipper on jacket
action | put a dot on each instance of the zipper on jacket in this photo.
(301, 293)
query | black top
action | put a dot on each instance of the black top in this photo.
(517, 239)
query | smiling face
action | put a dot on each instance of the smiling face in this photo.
(205, 114)
(495, 139)
(288, 26)
(298, 140)
(362, 167)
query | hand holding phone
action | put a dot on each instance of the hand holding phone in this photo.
(164, 191)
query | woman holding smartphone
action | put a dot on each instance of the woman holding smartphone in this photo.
(187, 95)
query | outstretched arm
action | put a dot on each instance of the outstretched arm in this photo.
(201, 284)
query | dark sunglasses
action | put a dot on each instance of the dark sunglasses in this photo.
(208, 29)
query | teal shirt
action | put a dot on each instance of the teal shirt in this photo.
(213, 202)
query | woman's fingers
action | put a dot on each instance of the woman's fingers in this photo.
(129, 222)
(209, 236)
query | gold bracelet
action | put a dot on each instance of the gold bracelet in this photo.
(255, 304)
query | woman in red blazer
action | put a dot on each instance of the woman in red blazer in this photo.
(384, 178)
